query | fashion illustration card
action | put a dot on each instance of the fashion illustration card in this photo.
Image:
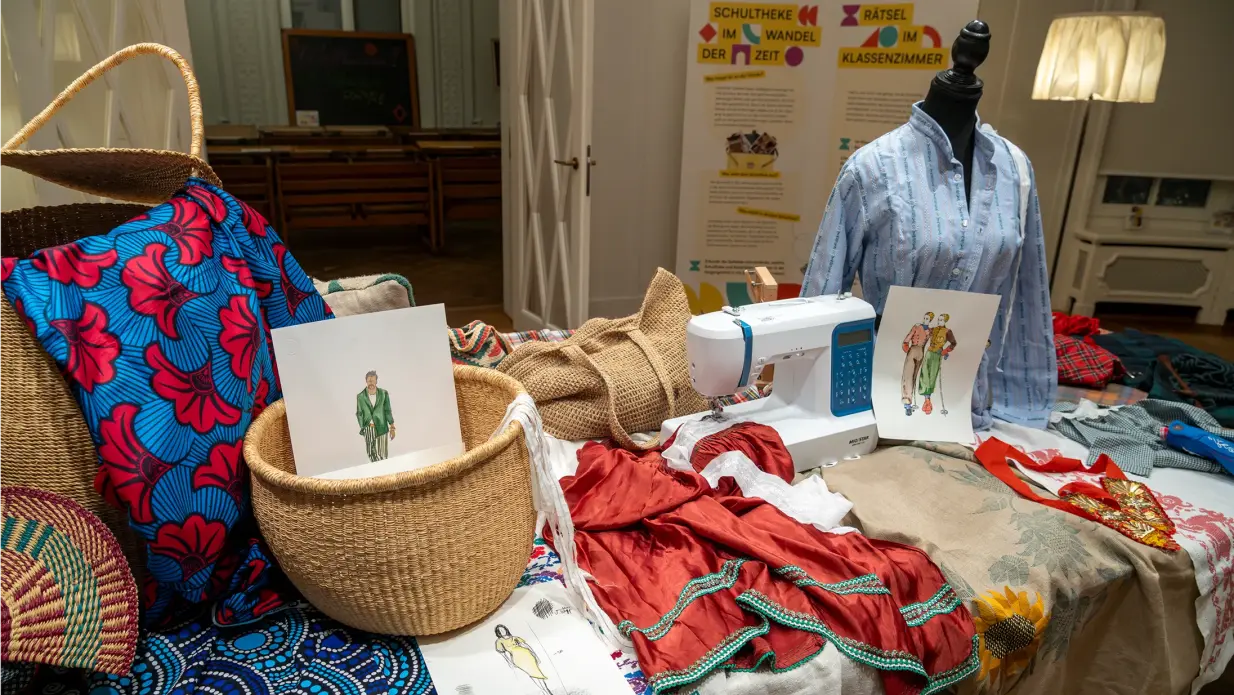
(535, 644)
(926, 355)
(369, 394)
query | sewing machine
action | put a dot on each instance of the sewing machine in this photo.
(823, 352)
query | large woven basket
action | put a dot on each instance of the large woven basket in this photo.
(414, 553)
(44, 442)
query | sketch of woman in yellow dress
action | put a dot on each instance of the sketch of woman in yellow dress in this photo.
(518, 654)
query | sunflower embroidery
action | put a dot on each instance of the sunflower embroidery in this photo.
(1010, 628)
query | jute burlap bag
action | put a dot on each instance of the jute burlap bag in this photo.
(614, 376)
(44, 442)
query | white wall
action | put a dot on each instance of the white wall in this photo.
(1186, 132)
(238, 59)
(636, 141)
(639, 101)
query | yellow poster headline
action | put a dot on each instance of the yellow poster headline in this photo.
(751, 13)
(786, 216)
(882, 15)
(893, 58)
(743, 75)
(752, 174)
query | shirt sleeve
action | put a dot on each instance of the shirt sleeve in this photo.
(1025, 380)
(838, 245)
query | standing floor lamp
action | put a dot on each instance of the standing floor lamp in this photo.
(1102, 56)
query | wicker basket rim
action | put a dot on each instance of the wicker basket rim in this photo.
(95, 150)
(386, 483)
(198, 168)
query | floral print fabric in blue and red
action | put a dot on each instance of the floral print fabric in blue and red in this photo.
(162, 331)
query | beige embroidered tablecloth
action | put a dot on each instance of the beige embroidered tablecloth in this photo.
(1063, 605)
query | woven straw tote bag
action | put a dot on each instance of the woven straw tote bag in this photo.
(614, 376)
(44, 442)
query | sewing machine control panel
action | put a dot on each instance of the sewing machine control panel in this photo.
(852, 367)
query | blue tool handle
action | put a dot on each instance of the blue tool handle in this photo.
(1197, 442)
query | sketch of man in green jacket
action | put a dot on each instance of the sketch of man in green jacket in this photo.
(375, 418)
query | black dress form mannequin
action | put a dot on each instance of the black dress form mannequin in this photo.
(954, 93)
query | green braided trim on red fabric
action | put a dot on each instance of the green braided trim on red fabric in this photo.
(693, 590)
(882, 659)
(944, 601)
(864, 584)
(773, 668)
(711, 660)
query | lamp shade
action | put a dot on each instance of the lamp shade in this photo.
(1102, 56)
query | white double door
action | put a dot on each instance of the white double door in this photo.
(49, 43)
(546, 89)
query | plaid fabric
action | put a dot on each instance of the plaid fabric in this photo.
(750, 394)
(1078, 326)
(1112, 395)
(513, 340)
(1083, 364)
(1132, 435)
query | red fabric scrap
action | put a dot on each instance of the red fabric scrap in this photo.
(702, 581)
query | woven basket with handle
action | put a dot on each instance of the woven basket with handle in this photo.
(415, 553)
(44, 442)
(614, 376)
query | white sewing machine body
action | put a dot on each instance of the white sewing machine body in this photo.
(823, 352)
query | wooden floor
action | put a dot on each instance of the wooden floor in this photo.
(466, 277)
(1172, 322)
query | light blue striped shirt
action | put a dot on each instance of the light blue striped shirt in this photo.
(897, 216)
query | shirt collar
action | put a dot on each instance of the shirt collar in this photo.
(923, 123)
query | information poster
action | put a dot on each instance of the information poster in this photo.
(777, 98)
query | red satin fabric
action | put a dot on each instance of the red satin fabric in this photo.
(761, 443)
(645, 532)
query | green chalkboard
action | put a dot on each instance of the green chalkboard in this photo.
(350, 78)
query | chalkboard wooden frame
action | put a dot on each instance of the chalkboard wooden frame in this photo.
(380, 35)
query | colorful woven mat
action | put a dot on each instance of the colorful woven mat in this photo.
(477, 344)
(69, 598)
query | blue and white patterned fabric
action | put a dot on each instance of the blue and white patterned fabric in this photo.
(294, 649)
(289, 650)
(898, 216)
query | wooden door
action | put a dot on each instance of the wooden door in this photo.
(546, 95)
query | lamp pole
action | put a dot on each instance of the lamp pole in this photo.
(1075, 173)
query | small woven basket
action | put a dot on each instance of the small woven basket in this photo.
(415, 553)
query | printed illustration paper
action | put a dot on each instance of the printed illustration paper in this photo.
(371, 394)
(537, 643)
(926, 354)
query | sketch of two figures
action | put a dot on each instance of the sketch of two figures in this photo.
(926, 346)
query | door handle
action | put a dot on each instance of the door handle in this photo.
(572, 162)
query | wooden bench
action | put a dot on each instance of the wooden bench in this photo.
(249, 176)
(468, 188)
(318, 190)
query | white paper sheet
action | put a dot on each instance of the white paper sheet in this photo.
(324, 367)
(537, 643)
(925, 391)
